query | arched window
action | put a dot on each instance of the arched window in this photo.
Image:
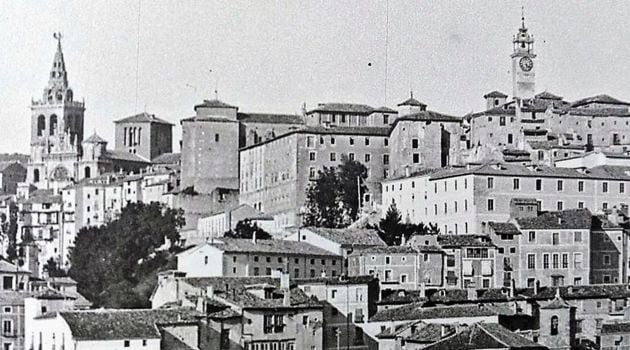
(554, 325)
(88, 172)
(41, 125)
(53, 124)
(69, 96)
(139, 135)
(36, 175)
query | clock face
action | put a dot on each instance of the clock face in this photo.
(526, 64)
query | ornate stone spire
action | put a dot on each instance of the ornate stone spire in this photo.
(57, 89)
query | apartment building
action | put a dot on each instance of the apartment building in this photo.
(230, 257)
(464, 200)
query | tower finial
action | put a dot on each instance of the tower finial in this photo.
(523, 16)
(58, 36)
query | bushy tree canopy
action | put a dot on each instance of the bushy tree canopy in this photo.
(332, 200)
(115, 255)
(391, 228)
(246, 229)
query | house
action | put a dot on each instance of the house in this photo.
(230, 257)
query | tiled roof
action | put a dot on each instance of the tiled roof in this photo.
(143, 118)
(95, 139)
(602, 172)
(268, 118)
(351, 108)
(616, 327)
(550, 144)
(214, 104)
(269, 246)
(6, 266)
(556, 303)
(417, 311)
(209, 118)
(431, 333)
(43, 196)
(13, 297)
(495, 93)
(385, 250)
(234, 290)
(412, 102)
(603, 99)
(612, 291)
(427, 116)
(564, 220)
(125, 156)
(505, 228)
(384, 109)
(545, 95)
(349, 237)
(457, 241)
(167, 158)
(485, 336)
(335, 280)
(123, 324)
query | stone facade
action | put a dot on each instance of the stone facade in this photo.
(145, 135)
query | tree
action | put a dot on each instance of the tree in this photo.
(391, 229)
(332, 200)
(52, 268)
(122, 253)
(246, 229)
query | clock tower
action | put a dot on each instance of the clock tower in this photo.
(523, 70)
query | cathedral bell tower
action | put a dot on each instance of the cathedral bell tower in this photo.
(56, 128)
(523, 70)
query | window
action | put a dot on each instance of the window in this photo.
(605, 187)
(532, 236)
(403, 278)
(516, 184)
(577, 281)
(565, 260)
(560, 185)
(333, 156)
(580, 186)
(502, 121)
(606, 259)
(560, 205)
(555, 261)
(386, 142)
(490, 182)
(332, 140)
(385, 119)
(351, 156)
(510, 139)
(7, 282)
(577, 260)
(388, 275)
(622, 187)
(554, 325)
(367, 141)
(538, 184)
(531, 261)
(490, 204)
(414, 143)
(556, 238)
(580, 205)
(388, 260)
(7, 327)
(216, 137)
(545, 261)
(368, 157)
(450, 260)
(577, 236)
(312, 173)
(311, 156)
(416, 158)
(126, 343)
(385, 159)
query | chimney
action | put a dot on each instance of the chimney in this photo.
(512, 288)
(200, 303)
(254, 237)
(536, 287)
(284, 281)
(210, 292)
(286, 298)
(403, 240)
(423, 290)
(443, 330)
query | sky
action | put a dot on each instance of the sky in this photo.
(274, 56)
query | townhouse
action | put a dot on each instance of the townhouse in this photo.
(229, 257)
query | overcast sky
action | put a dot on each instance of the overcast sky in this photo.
(274, 56)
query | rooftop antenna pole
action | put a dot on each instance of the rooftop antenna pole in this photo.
(216, 84)
(138, 55)
(386, 45)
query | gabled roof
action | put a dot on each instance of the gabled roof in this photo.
(167, 158)
(495, 93)
(485, 336)
(269, 118)
(394, 249)
(417, 311)
(6, 266)
(545, 95)
(125, 156)
(556, 303)
(268, 246)
(350, 108)
(458, 241)
(579, 219)
(603, 99)
(427, 116)
(95, 139)
(43, 196)
(124, 324)
(214, 104)
(349, 237)
(504, 228)
(143, 118)
(384, 109)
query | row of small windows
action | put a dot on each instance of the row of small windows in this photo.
(351, 156)
(516, 185)
(555, 262)
(310, 141)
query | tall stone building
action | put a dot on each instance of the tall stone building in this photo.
(145, 135)
(56, 130)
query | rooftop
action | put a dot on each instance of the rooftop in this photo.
(386, 250)
(564, 220)
(349, 237)
(214, 104)
(458, 241)
(269, 118)
(417, 311)
(95, 139)
(269, 246)
(485, 336)
(350, 108)
(602, 99)
(504, 228)
(167, 158)
(143, 118)
(617, 327)
(495, 93)
(126, 156)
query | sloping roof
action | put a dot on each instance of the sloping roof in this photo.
(551, 144)
(384, 109)
(6, 266)
(417, 311)
(545, 95)
(125, 156)
(618, 327)
(556, 303)
(612, 291)
(485, 336)
(458, 241)
(563, 220)
(495, 93)
(95, 139)
(214, 104)
(412, 102)
(269, 246)
(394, 249)
(13, 297)
(344, 280)
(505, 228)
(269, 118)
(428, 116)
(603, 99)
(43, 196)
(143, 118)
(349, 237)
(124, 324)
(167, 158)
(350, 108)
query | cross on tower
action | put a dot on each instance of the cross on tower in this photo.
(58, 37)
